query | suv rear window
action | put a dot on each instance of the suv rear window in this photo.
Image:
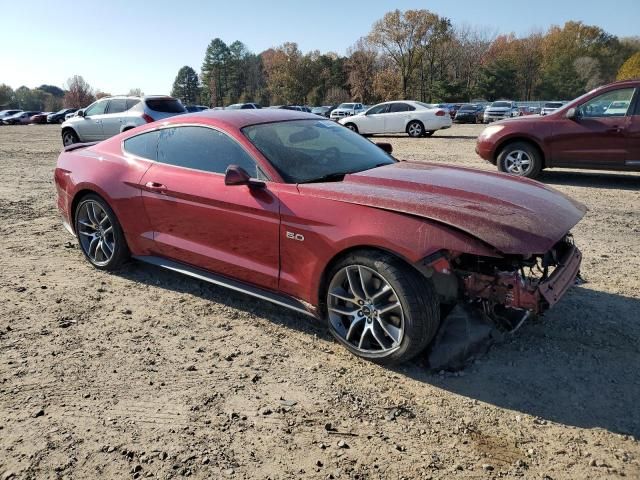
(165, 105)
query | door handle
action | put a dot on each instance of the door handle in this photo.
(615, 129)
(156, 187)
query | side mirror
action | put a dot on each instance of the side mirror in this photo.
(572, 114)
(387, 147)
(80, 113)
(236, 175)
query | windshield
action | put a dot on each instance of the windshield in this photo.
(468, 108)
(319, 109)
(552, 105)
(313, 150)
(500, 104)
(347, 105)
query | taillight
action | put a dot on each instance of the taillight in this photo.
(440, 113)
(147, 118)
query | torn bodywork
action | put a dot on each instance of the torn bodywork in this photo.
(511, 288)
(483, 296)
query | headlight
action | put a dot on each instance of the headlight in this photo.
(493, 129)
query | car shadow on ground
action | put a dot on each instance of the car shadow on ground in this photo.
(579, 365)
(141, 272)
(618, 181)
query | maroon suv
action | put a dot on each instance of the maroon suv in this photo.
(599, 130)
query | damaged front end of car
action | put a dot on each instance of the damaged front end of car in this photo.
(485, 297)
(517, 286)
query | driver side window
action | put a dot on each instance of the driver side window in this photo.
(97, 108)
(202, 148)
(378, 109)
(615, 103)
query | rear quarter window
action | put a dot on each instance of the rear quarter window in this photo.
(144, 145)
(165, 105)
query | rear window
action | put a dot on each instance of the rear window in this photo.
(165, 105)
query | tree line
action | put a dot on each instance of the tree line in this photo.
(77, 93)
(420, 55)
(412, 54)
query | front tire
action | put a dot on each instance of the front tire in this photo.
(521, 159)
(352, 126)
(69, 137)
(99, 234)
(380, 308)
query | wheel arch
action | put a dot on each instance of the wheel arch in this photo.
(67, 129)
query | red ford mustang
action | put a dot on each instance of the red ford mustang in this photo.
(303, 212)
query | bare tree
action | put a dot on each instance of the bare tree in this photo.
(336, 95)
(361, 67)
(400, 35)
(136, 92)
(79, 93)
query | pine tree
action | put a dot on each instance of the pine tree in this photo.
(186, 86)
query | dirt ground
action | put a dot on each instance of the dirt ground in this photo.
(144, 373)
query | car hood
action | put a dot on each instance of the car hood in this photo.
(512, 214)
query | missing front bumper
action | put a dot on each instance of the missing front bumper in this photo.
(512, 289)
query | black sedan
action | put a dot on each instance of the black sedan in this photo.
(469, 113)
(58, 117)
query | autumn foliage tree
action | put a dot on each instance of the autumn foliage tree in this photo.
(79, 93)
(630, 70)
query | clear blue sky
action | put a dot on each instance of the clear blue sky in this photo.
(121, 44)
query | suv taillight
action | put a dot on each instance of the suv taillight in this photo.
(147, 118)
(440, 113)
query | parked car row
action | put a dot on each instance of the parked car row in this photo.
(22, 117)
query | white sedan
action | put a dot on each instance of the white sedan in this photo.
(415, 118)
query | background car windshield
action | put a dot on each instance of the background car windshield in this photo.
(307, 150)
(346, 105)
(500, 104)
(552, 105)
(468, 108)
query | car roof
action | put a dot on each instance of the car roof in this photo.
(242, 118)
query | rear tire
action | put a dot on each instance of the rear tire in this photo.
(521, 159)
(100, 235)
(380, 308)
(415, 129)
